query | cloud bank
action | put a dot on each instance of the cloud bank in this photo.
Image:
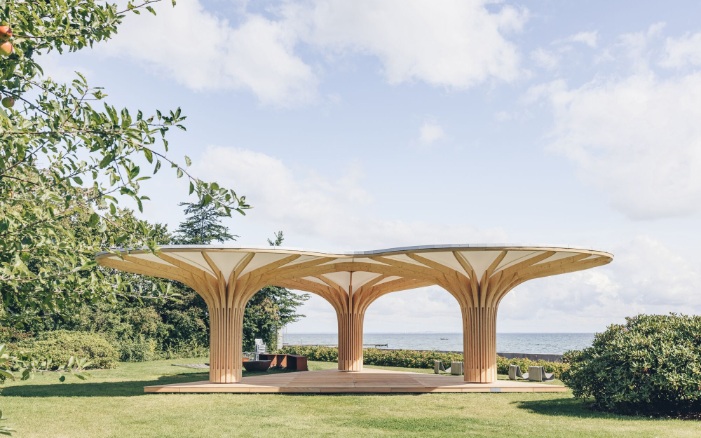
(636, 135)
(280, 55)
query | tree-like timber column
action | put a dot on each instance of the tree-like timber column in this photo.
(225, 344)
(479, 334)
(350, 341)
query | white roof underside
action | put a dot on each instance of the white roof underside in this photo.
(354, 273)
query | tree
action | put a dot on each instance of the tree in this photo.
(53, 291)
(269, 310)
(67, 155)
(202, 225)
(63, 148)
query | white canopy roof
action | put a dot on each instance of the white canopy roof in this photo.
(389, 269)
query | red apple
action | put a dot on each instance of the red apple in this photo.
(8, 101)
(5, 32)
(6, 48)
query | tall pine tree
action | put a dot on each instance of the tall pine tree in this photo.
(202, 225)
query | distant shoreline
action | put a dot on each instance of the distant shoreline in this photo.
(442, 333)
(530, 343)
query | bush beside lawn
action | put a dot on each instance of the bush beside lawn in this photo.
(415, 358)
(58, 346)
(650, 365)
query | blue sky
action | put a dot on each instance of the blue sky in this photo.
(365, 125)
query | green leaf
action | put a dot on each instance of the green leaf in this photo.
(94, 219)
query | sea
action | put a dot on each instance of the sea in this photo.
(529, 343)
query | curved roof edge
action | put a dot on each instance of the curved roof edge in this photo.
(394, 250)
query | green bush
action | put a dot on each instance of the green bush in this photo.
(186, 350)
(413, 358)
(137, 350)
(557, 368)
(58, 346)
(650, 365)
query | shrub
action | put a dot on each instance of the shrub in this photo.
(186, 350)
(58, 346)
(557, 368)
(650, 365)
(413, 358)
(137, 350)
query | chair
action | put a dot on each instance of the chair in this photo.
(513, 369)
(260, 348)
(456, 368)
(515, 373)
(538, 374)
(438, 367)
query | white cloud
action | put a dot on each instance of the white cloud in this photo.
(311, 207)
(56, 68)
(637, 138)
(545, 59)
(453, 44)
(204, 52)
(552, 57)
(634, 132)
(431, 132)
(681, 52)
(588, 38)
(428, 309)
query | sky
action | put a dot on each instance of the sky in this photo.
(355, 126)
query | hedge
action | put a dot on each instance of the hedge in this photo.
(60, 345)
(414, 358)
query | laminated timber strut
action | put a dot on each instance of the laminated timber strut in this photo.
(478, 277)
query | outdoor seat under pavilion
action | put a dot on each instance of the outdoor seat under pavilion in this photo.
(478, 277)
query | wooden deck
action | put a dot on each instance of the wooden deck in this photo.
(366, 381)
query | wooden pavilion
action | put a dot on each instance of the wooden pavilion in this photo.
(478, 276)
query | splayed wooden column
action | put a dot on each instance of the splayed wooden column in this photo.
(225, 344)
(350, 331)
(350, 341)
(479, 329)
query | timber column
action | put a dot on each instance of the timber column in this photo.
(479, 337)
(225, 344)
(350, 340)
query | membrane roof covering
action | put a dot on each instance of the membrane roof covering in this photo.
(404, 267)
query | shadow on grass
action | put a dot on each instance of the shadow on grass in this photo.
(566, 407)
(127, 388)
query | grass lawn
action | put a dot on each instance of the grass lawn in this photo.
(111, 403)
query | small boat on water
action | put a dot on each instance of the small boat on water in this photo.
(444, 339)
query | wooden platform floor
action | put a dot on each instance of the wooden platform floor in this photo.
(366, 381)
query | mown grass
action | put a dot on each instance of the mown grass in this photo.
(112, 404)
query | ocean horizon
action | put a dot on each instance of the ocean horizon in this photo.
(529, 343)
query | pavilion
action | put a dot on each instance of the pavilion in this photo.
(477, 276)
